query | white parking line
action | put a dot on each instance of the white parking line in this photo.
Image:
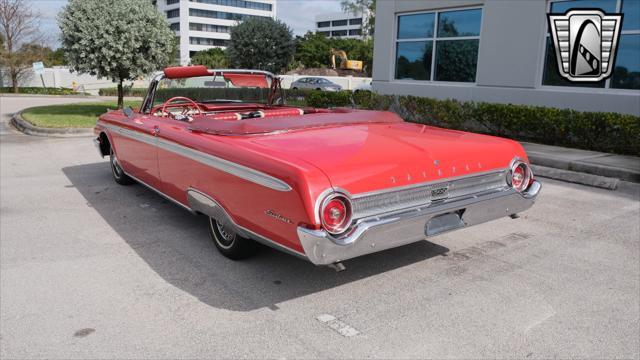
(337, 325)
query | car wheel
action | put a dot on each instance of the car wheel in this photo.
(116, 170)
(295, 88)
(229, 243)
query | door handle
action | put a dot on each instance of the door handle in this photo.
(156, 130)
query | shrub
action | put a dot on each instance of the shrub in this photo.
(324, 99)
(140, 92)
(39, 90)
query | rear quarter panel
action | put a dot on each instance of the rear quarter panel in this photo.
(245, 201)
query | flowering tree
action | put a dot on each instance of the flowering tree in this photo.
(120, 40)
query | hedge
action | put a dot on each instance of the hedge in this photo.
(598, 131)
(39, 90)
(138, 92)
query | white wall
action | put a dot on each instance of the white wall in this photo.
(62, 77)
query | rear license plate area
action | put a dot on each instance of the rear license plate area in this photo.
(444, 222)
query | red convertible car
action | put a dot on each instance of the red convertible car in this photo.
(323, 184)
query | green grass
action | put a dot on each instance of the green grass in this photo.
(81, 115)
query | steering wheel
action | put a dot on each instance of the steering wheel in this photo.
(190, 105)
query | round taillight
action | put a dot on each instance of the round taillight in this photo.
(520, 176)
(336, 214)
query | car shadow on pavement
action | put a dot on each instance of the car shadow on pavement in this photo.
(176, 245)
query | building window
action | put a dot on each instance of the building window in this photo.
(323, 24)
(356, 32)
(339, 33)
(238, 3)
(222, 15)
(171, 2)
(207, 41)
(173, 13)
(455, 35)
(357, 21)
(208, 28)
(626, 71)
(174, 26)
(339, 23)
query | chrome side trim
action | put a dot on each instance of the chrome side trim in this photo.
(227, 166)
(204, 204)
(135, 135)
(160, 193)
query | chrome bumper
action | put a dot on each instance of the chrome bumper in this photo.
(96, 143)
(375, 234)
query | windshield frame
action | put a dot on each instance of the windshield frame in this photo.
(147, 103)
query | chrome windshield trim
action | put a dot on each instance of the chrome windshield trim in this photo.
(147, 102)
(226, 166)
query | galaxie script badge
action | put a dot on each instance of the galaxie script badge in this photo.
(585, 41)
(440, 193)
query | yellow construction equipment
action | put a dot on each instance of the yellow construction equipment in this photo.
(345, 63)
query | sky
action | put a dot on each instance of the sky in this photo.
(298, 14)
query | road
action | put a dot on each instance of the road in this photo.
(91, 269)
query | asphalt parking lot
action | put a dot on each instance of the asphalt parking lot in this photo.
(91, 269)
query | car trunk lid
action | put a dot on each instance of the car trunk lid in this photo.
(362, 158)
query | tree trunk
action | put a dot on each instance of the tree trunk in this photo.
(14, 81)
(120, 95)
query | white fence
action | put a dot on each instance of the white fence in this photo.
(61, 77)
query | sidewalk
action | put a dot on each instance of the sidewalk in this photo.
(621, 167)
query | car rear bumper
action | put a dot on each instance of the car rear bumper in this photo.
(375, 234)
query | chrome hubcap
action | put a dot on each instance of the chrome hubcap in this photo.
(117, 170)
(227, 235)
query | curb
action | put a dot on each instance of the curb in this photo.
(26, 127)
(581, 178)
(579, 167)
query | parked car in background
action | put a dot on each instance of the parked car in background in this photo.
(323, 184)
(363, 86)
(316, 83)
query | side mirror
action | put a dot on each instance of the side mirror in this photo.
(128, 112)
